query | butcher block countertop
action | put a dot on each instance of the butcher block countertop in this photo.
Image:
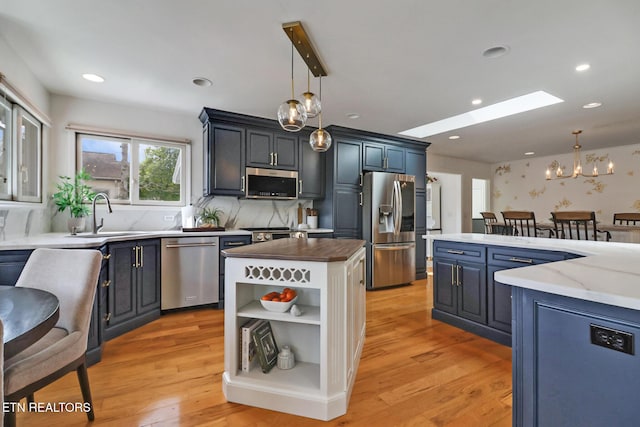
(318, 250)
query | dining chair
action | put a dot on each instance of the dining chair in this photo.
(578, 225)
(490, 222)
(522, 223)
(626, 218)
(72, 276)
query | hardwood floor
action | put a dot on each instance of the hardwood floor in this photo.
(414, 371)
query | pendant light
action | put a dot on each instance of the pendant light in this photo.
(292, 115)
(320, 139)
(309, 100)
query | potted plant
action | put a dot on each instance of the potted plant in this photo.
(73, 194)
(209, 217)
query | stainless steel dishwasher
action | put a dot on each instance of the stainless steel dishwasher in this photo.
(190, 271)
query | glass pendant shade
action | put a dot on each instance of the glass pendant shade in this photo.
(320, 140)
(311, 103)
(292, 115)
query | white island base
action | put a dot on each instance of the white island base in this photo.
(326, 339)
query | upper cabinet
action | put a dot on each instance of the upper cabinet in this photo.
(382, 158)
(416, 165)
(272, 150)
(233, 142)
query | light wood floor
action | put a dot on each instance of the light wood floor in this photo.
(414, 371)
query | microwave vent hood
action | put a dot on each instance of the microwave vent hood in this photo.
(271, 184)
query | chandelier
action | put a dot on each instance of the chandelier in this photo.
(577, 164)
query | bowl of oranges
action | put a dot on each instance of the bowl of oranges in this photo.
(279, 302)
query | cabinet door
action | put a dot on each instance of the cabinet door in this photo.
(472, 291)
(285, 149)
(312, 172)
(11, 265)
(498, 301)
(348, 212)
(416, 165)
(260, 149)
(444, 290)
(348, 166)
(373, 157)
(224, 160)
(148, 276)
(121, 297)
(228, 242)
(394, 160)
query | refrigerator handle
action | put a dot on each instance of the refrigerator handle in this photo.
(397, 204)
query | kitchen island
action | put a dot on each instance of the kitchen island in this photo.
(574, 323)
(326, 338)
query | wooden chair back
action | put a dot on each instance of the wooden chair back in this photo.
(490, 220)
(577, 225)
(626, 218)
(520, 223)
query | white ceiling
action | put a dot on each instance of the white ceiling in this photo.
(398, 64)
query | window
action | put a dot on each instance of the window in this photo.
(20, 154)
(135, 171)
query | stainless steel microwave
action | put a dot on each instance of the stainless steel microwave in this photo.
(271, 184)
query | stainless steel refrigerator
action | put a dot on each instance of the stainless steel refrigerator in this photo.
(389, 222)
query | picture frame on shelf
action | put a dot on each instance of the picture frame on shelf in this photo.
(266, 346)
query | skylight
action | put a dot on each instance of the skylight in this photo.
(506, 108)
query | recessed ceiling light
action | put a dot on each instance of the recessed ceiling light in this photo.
(454, 137)
(592, 105)
(529, 153)
(506, 108)
(353, 115)
(202, 81)
(495, 52)
(583, 67)
(477, 101)
(93, 78)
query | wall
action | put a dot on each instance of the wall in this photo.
(467, 170)
(521, 185)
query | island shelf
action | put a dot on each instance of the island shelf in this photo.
(326, 339)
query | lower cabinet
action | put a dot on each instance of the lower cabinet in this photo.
(11, 265)
(465, 293)
(229, 242)
(133, 294)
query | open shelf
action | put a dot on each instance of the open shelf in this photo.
(310, 314)
(304, 377)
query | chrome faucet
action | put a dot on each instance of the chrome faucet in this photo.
(97, 227)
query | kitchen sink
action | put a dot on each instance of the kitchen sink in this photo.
(107, 234)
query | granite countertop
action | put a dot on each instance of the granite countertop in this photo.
(318, 250)
(609, 272)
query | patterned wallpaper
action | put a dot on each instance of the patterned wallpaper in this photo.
(521, 185)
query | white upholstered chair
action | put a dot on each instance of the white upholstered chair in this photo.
(71, 275)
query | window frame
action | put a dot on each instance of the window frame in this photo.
(134, 166)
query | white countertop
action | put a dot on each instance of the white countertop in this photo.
(609, 272)
(65, 240)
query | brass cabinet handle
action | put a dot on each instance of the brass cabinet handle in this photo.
(275, 155)
(360, 179)
(300, 190)
(106, 283)
(522, 260)
(242, 183)
(106, 256)
(107, 317)
(271, 159)
(141, 256)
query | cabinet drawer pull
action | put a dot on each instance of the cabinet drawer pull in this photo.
(242, 184)
(360, 179)
(141, 256)
(106, 283)
(360, 199)
(106, 256)
(271, 159)
(235, 244)
(275, 156)
(107, 317)
(451, 251)
(522, 260)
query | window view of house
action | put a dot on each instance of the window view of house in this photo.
(133, 171)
